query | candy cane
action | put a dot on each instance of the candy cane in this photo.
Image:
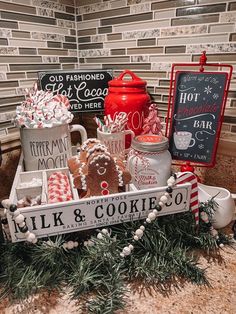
(99, 123)
(183, 177)
(63, 99)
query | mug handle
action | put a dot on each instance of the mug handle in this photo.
(193, 143)
(81, 129)
(132, 136)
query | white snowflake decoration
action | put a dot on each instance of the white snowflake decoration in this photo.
(208, 90)
(215, 96)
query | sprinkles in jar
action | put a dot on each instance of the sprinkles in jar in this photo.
(149, 161)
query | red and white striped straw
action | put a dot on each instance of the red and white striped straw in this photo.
(99, 123)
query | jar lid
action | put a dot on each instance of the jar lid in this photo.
(150, 143)
(135, 81)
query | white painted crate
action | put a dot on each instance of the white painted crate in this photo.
(95, 212)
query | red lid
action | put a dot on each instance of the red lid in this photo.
(146, 138)
(135, 82)
(150, 143)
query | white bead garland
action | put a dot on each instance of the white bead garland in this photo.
(100, 236)
(139, 233)
(127, 250)
(19, 220)
(151, 217)
(30, 237)
(16, 213)
(105, 231)
(90, 243)
(131, 247)
(6, 203)
(70, 245)
(163, 199)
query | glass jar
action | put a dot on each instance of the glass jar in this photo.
(149, 161)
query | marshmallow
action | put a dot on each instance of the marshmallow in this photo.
(42, 109)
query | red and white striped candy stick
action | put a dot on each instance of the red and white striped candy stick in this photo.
(108, 122)
(99, 123)
(121, 120)
(183, 177)
(63, 99)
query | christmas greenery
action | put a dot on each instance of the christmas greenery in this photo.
(96, 274)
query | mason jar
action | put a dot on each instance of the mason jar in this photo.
(149, 161)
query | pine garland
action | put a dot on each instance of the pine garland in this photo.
(97, 275)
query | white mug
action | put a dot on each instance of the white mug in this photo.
(115, 142)
(48, 148)
(183, 140)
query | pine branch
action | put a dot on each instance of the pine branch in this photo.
(162, 256)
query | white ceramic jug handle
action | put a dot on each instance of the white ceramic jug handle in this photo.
(132, 136)
(81, 129)
(130, 132)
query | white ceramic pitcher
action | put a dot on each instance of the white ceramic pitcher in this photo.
(224, 212)
(46, 148)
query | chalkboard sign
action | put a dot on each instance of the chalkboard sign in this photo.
(197, 115)
(85, 90)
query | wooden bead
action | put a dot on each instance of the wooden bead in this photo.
(16, 213)
(163, 199)
(158, 208)
(70, 245)
(100, 236)
(6, 203)
(126, 250)
(30, 237)
(139, 233)
(131, 247)
(20, 218)
(22, 224)
(152, 216)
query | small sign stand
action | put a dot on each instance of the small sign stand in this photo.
(196, 105)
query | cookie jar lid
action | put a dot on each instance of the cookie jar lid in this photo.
(150, 143)
(135, 81)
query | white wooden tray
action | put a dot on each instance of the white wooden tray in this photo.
(88, 213)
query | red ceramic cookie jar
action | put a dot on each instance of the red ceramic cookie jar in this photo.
(128, 96)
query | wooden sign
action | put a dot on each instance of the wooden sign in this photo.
(86, 89)
(91, 213)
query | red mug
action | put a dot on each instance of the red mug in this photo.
(128, 96)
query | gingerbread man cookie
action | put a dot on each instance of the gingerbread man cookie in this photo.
(88, 147)
(101, 175)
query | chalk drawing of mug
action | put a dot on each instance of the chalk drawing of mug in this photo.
(183, 140)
